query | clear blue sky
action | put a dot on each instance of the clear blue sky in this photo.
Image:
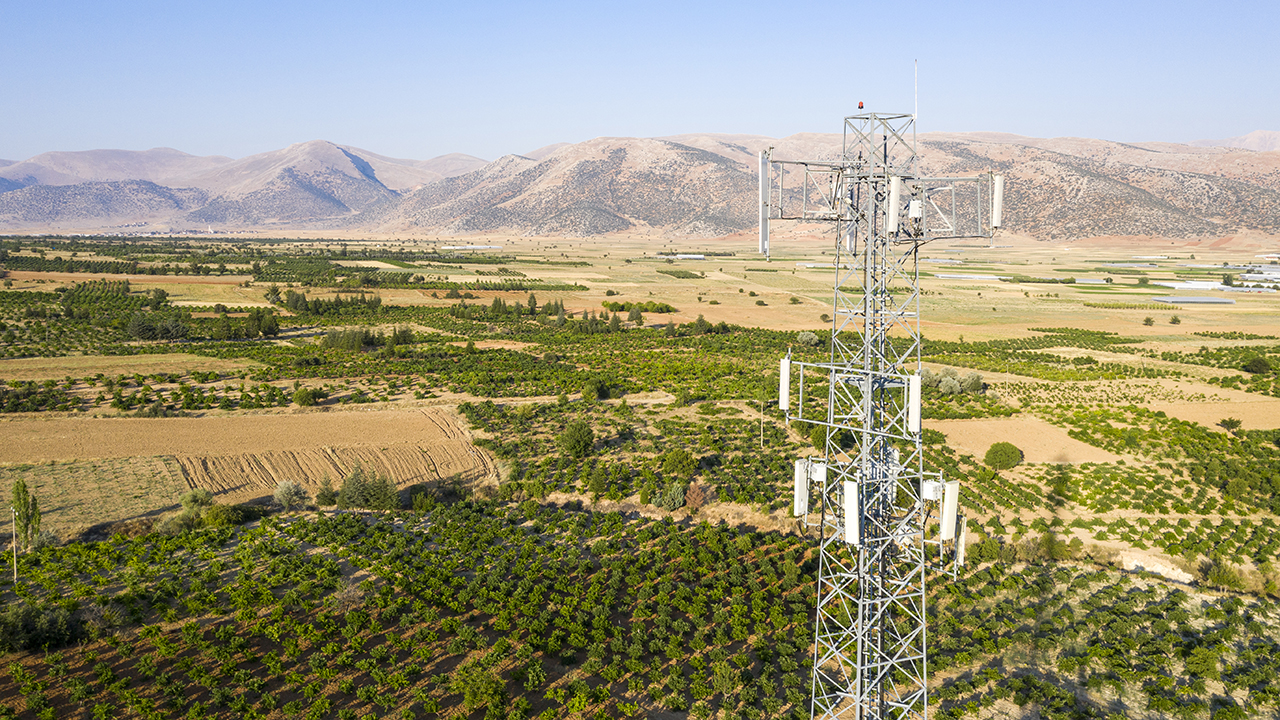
(420, 79)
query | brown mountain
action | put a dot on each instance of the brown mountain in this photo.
(118, 201)
(694, 184)
(590, 188)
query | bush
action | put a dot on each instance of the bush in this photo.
(224, 515)
(949, 386)
(179, 523)
(808, 338)
(679, 463)
(1002, 456)
(304, 397)
(290, 495)
(195, 499)
(578, 439)
(43, 627)
(1257, 365)
(673, 497)
(595, 389)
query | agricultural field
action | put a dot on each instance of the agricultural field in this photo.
(581, 478)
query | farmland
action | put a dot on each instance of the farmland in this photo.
(594, 480)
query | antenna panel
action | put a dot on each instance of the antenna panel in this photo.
(852, 514)
(950, 503)
(800, 496)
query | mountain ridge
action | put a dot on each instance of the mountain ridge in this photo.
(694, 184)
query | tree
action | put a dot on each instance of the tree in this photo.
(1231, 425)
(615, 323)
(369, 491)
(808, 338)
(679, 463)
(27, 517)
(1175, 320)
(1002, 456)
(595, 389)
(949, 386)
(1257, 365)
(327, 495)
(1148, 321)
(635, 316)
(290, 495)
(577, 439)
(972, 383)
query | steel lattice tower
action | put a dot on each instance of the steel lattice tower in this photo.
(870, 498)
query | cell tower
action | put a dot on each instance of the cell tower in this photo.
(882, 521)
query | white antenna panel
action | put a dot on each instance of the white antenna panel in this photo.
(997, 202)
(913, 404)
(852, 514)
(895, 197)
(784, 384)
(800, 502)
(950, 503)
(964, 534)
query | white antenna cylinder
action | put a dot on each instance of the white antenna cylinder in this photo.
(852, 514)
(895, 197)
(784, 384)
(800, 497)
(997, 202)
(764, 202)
(950, 503)
(913, 404)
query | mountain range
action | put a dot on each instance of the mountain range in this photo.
(698, 185)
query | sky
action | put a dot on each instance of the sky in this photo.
(419, 79)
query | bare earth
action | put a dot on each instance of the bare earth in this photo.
(97, 470)
(87, 365)
(1039, 441)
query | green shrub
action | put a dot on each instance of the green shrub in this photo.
(1257, 365)
(290, 495)
(1002, 456)
(224, 515)
(196, 498)
(577, 439)
(34, 627)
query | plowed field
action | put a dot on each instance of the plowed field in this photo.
(98, 470)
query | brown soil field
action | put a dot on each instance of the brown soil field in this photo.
(1039, 441)
(1256, 412)
(89, 365)
(69, 278)
(240, 458)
